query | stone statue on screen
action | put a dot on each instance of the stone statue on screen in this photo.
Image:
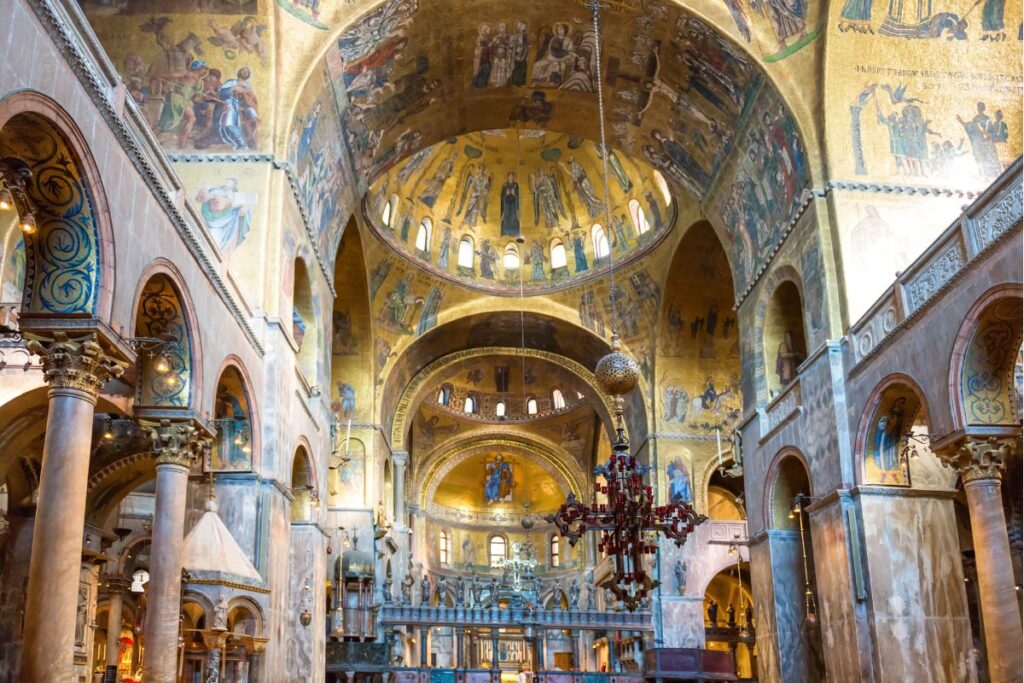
(680, 572)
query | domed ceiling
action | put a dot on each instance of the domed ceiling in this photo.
(501, 209)
(499, 481)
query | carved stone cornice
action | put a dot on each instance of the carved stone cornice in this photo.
(176, 442)
(79, 363)
(979, 457)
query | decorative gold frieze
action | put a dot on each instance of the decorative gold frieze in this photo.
(75, 363)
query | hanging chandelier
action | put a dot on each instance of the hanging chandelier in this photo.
(629, 522)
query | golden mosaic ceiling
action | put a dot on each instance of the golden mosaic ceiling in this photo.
(502, 208)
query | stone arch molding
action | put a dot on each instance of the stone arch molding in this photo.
(80, 214)
(985, 309)
(553, 459)
(425, 378)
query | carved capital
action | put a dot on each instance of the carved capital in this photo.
(399, 458)
(176, 442)
(980, 457)
(75, 363)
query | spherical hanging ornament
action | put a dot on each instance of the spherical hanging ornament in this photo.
(527, 521)
(617, 374)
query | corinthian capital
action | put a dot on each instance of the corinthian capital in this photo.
(176, 442)
(980, 457)
(75, 363)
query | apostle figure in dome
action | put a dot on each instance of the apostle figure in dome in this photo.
(510, 207)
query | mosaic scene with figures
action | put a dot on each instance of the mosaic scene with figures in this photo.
(457, 341)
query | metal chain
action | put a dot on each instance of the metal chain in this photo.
(595, 9)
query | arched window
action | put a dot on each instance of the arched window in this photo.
(659, 180)
(444, 547)
(531, 406)
(511, 258)
(466, 252)
(640, 224)
(557, 400)
(469, 405)
(423, 236)
(387, 213)
(597, 234)
(554, 548)
(498, 550)
(444, 395)
(499, 409)
(557, 254)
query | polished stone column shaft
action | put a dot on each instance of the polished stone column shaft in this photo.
(981, 462)
(116, 588)
(114, 629)
(175, 445)
(75, 370)
(398, 462)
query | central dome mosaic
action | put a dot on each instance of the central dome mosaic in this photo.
(510, 209)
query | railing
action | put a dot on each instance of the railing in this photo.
(988, 218)
(721, 531)
(780, 410)
(406, 615)
(460, 675)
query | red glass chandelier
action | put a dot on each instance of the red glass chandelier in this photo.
(629, 522)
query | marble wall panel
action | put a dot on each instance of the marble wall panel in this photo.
(763, 590)
(844, 636)
(683, 620)
(919, 607)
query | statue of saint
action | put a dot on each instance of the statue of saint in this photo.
(574, 594)
(680, 572)
(713, 613)
(442, 590)
(425, 591)
(220, 613)
(460, 591)
(407, 583)
(787, 359)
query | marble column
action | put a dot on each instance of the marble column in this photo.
(494, 648)
(74, 369)
(176, 445)
(116, 587)
(980, 461)
(398, 462)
